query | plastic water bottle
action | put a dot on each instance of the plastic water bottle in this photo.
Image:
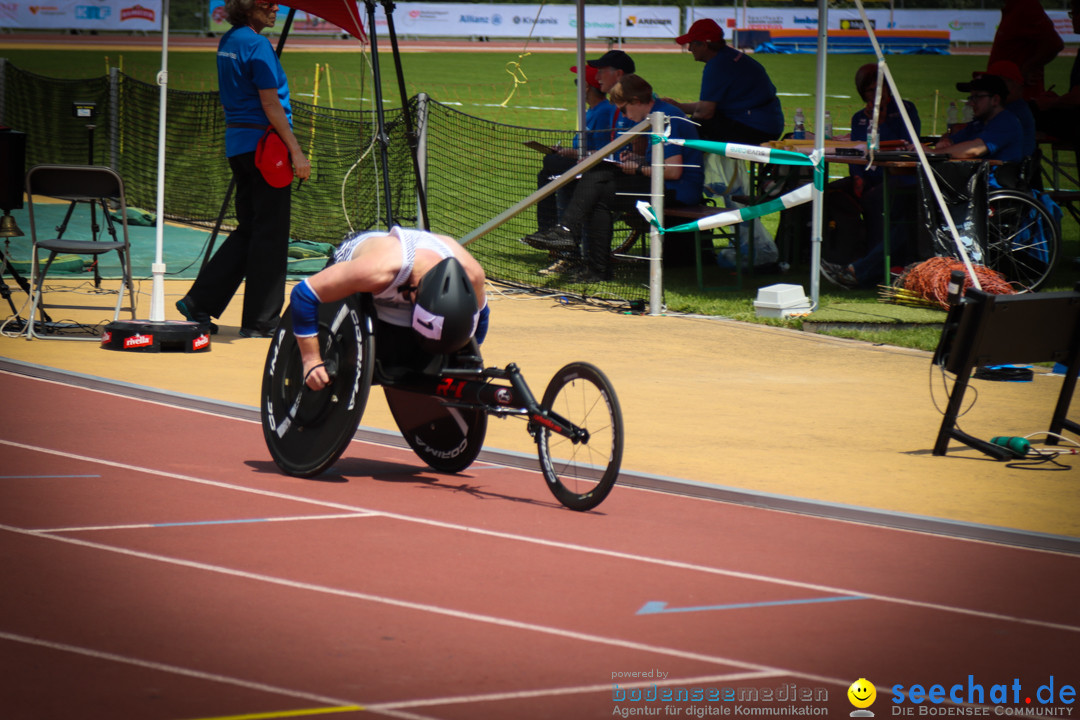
(828, 125)
(968, 114)
(800, 125)
(952, 117)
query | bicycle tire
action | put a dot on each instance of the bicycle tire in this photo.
(305, 430)
(580, 475)
(1023, 242)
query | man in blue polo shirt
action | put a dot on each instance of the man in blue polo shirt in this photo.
(738, 101)
(994, 133)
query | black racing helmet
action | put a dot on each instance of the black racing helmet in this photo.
(445, 313)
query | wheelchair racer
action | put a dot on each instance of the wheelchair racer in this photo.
(418, 279)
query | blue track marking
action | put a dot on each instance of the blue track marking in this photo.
(657, 607)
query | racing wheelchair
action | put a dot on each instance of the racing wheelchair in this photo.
(440, 404)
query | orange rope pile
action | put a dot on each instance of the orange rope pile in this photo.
(927, 283)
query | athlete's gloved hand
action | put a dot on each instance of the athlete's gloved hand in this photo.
(482, 324)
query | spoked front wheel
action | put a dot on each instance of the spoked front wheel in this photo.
(581, 474)
(1023, 241)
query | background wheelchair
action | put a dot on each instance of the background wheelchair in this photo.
(1006, 225)
(439, 403)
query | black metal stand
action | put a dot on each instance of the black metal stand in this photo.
(985, 329)
(410, 132)
(381, 136)
(5, 290)
(95, 229)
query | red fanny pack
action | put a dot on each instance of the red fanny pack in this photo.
(272, 159)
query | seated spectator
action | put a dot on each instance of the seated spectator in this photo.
(994, 133)
(599, 123)
(738, 101)
(867, 186)
(1014, 101)
(612, 188)
(606, 70)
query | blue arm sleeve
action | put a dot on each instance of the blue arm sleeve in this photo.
(482, 325)
(305, 310)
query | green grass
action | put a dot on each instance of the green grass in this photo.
(481, 84)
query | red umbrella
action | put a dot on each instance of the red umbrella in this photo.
(343, 13)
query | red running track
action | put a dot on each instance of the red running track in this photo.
(157, 565)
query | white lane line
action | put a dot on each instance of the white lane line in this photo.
(174, 669)
(231, 521)
(431, 609)
(578, 690)
(827, 589)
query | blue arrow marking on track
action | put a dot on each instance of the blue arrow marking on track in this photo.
(655, 607)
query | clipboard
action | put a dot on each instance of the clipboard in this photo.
(539, 147)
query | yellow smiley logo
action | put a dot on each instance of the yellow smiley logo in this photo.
(862, 693)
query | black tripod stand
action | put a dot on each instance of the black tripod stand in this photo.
(94, 227)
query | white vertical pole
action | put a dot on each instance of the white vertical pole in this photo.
(930, 177)
(817, 208)
(581, 73)
(620, 24)
(157, 270)
(656, 243)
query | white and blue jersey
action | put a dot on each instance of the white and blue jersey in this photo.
(390, 305)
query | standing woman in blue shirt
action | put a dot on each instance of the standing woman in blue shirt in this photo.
(255, 94)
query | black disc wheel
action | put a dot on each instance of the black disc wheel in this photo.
(581, 474)
(445, 437)
(1022, 239)
(308, 430)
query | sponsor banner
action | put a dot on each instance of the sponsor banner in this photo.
(963, 26)
(420, 19)
(548, 21)
(142, 15)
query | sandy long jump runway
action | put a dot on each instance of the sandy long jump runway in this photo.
(153, 571)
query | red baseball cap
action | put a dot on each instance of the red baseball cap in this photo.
(590, 76)
(704, 30)
(1005, 69)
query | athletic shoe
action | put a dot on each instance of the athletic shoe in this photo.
(557, 238)
(256, 333)
(839, 275)
(556, 268)
(192, 313)
(587, 276)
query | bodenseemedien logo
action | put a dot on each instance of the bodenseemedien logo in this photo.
(862, 695)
